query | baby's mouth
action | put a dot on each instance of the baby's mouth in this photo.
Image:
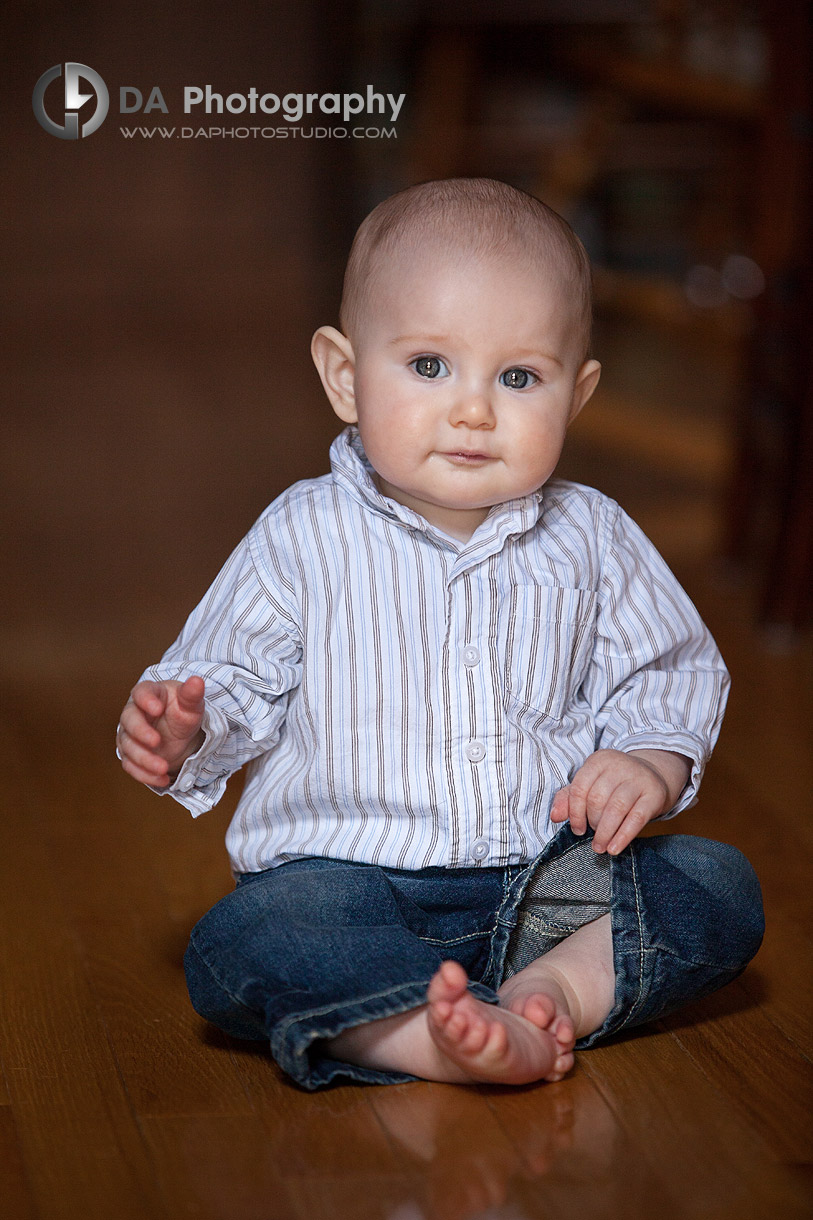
(466, 457)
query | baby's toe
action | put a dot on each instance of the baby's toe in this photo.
(475, 1037)
(540, 1010)
(495, 1043)
(564, 1032)
(448, 983)
(562, 1064)
(457, 1027)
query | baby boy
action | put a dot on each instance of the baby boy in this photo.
(462, 689)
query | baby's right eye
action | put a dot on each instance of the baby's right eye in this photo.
(429, 367)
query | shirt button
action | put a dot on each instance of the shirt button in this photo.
(475, 751)
(479, 849)
(186, 783)
(471, 655)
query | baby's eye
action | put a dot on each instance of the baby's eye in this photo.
(517, 379)
(429, 367)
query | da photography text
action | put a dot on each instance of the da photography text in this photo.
(62, 93)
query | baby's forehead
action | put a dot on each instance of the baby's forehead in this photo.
(424, 257)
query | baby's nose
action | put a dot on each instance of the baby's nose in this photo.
(473, 407)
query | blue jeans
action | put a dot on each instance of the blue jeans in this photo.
(300, 952)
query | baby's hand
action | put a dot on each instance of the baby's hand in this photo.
(618, 793)
(160, 728)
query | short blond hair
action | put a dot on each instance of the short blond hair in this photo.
(471, 217)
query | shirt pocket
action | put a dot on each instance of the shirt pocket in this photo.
(548, 641)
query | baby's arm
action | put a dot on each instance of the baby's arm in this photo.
(619, 792)
(657, 685)
(160, 728)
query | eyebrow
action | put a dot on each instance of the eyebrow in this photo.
(532, 354)
(419, 339)
(522, 354)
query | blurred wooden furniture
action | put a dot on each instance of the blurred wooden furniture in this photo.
(771, 501)
(660, 97)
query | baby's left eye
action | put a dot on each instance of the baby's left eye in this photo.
(517, 379)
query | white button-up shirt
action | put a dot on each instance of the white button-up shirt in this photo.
(405, 699)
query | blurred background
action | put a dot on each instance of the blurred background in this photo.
(160, 293)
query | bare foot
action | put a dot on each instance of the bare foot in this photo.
(563, 995)
(490, 1043)
(536, 994)
(570, 990)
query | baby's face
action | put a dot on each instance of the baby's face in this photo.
(466, 378)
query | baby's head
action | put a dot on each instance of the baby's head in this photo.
(464, 219)
(466, 320)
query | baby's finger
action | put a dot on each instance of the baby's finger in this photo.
(145, 760)
(633, 824)
(559, 811)
(617, 807)
(583, 793)
(144, 777)
(577, 809)
(150, 697)
(135, 723)
(605, 794)
(190, 695)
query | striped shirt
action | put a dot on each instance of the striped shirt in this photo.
(405, 699)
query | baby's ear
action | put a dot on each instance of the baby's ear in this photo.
(586, 382)
(336, 364)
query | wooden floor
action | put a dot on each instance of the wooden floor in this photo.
(117, 1101)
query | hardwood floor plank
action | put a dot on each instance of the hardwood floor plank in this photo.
(780, 980)
(747, 1058)
(218, 1168)
(5, 1096)
(578, 1161)
(705, 1156)
(363, 1195)
(324, 1133)
(335, 1155)
(458, 1157)
(130, 943)
(15, 1192)
(80, 1144)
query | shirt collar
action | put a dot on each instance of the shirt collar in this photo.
(352, 470)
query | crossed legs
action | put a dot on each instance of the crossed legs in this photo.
(529, 1036)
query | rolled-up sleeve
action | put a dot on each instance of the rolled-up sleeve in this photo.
(656, 679)
(244, 642)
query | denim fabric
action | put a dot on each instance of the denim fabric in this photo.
(300, 952)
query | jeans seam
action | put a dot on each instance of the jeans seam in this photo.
(691, 961)
(641, 951)
(507, 882)
(558, 927)
(456, 940)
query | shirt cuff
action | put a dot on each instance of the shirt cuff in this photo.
(673, 742)
(201, 781)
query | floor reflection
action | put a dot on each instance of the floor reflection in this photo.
(439, 1152)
